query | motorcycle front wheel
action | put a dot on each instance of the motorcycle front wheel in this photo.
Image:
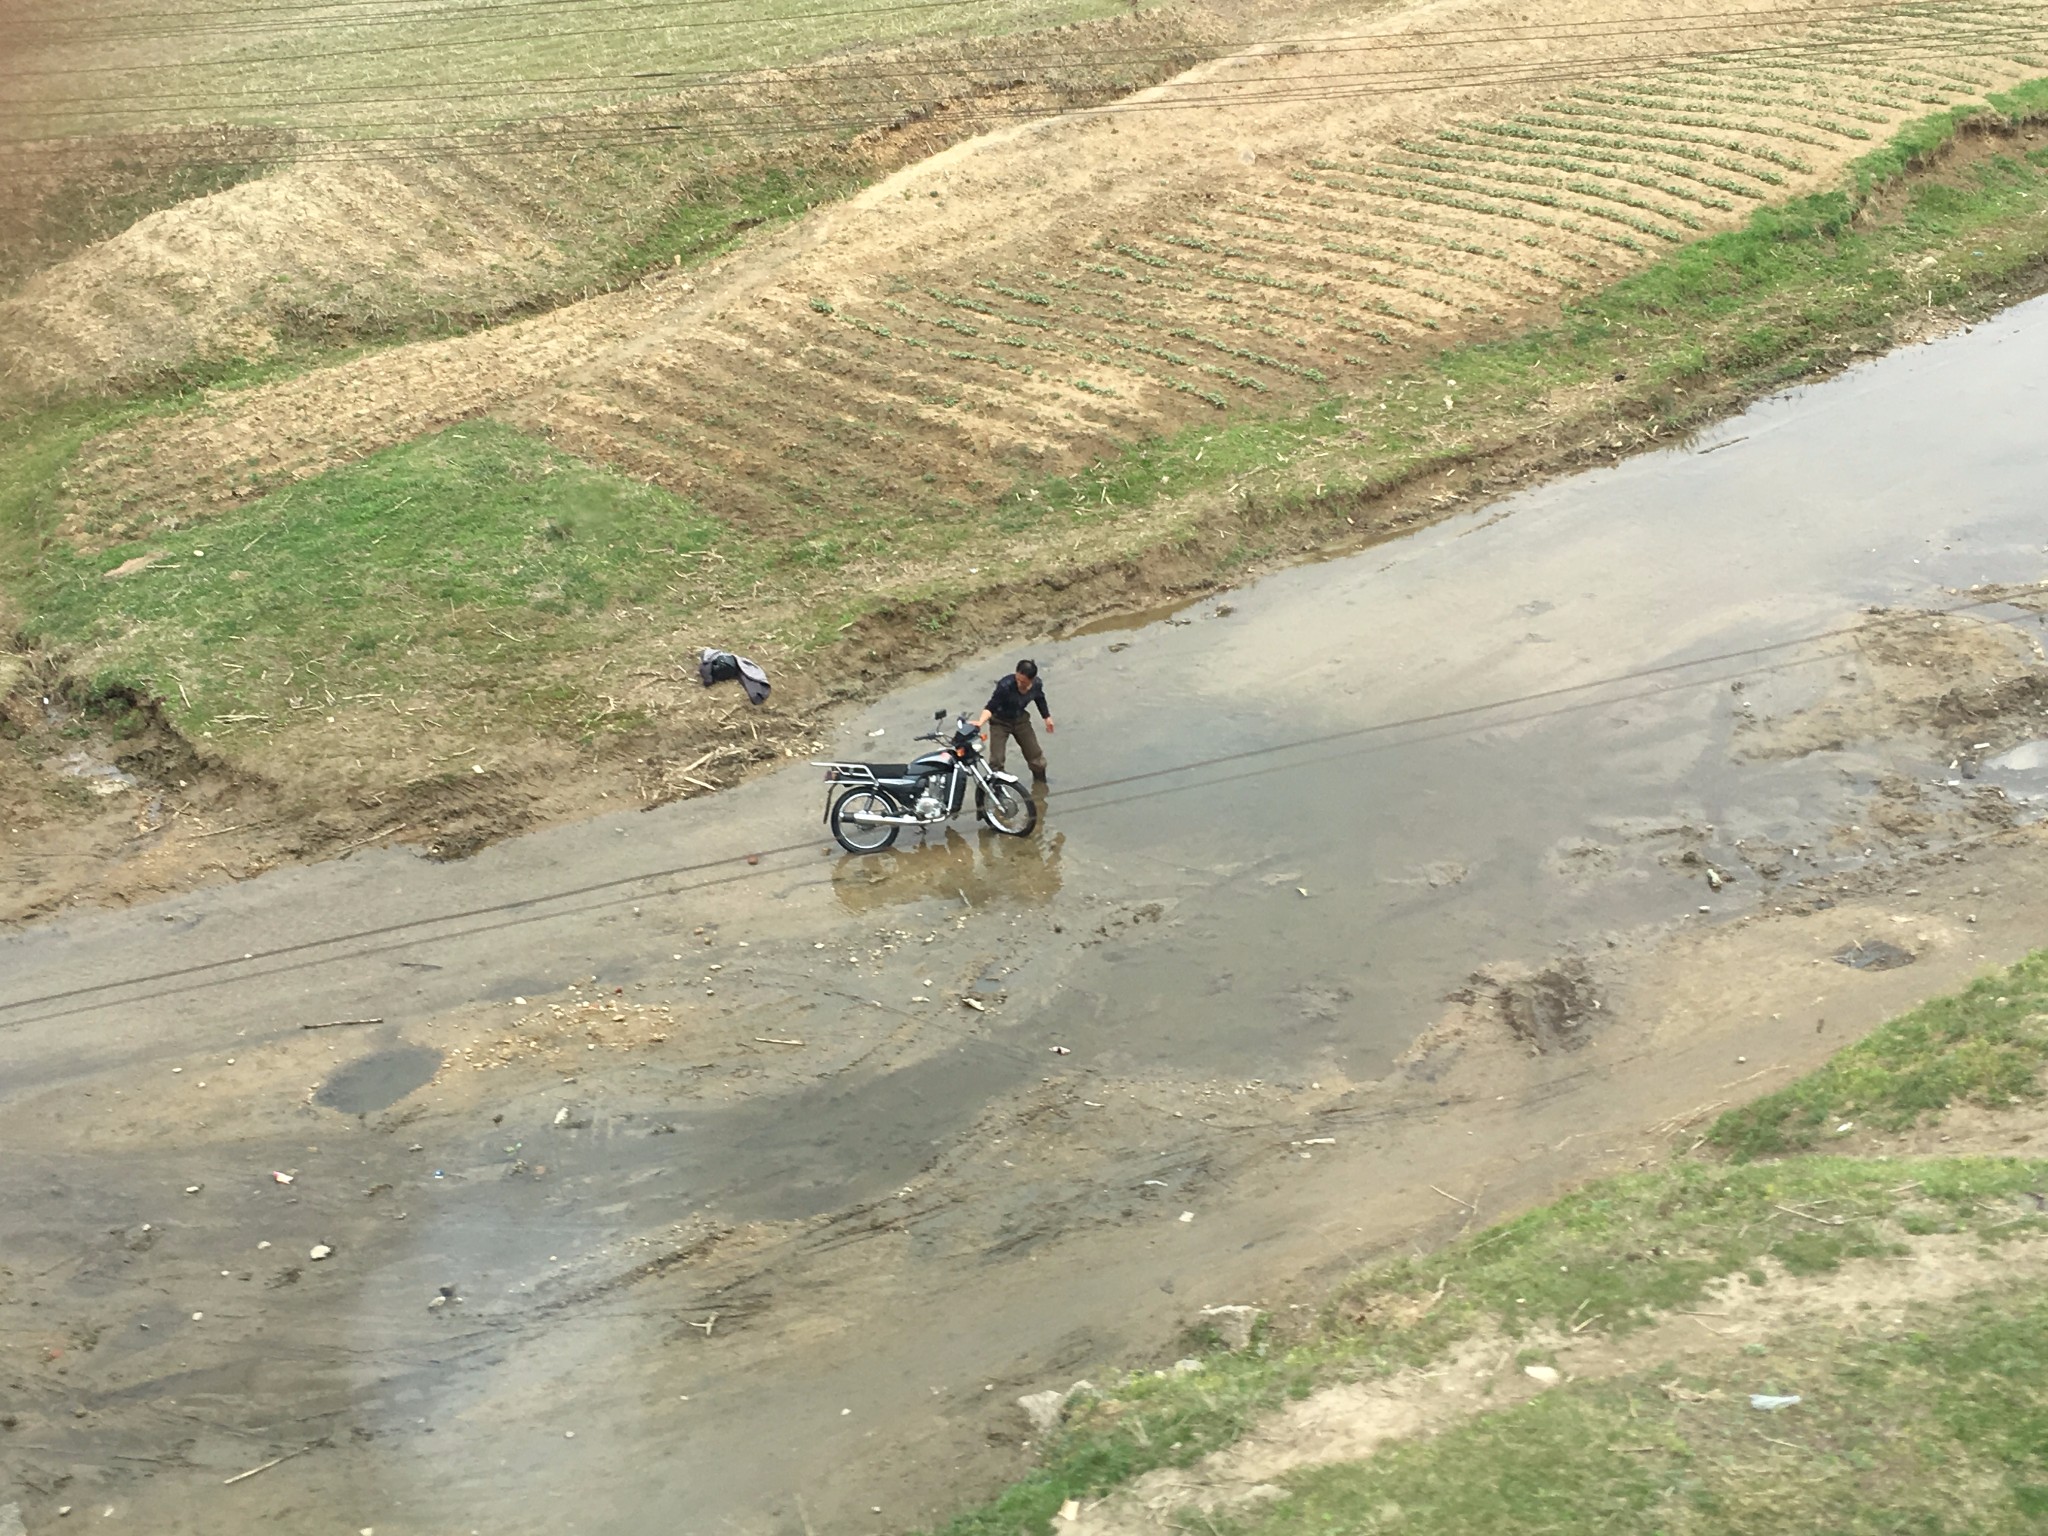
(1007, 809)
(852, 835)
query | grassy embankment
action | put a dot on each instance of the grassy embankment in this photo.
(1939, 1428)
(479, 596)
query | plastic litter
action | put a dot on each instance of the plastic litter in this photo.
(1770, 1404)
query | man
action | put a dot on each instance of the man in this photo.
(1008, 715)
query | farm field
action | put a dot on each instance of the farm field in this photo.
(383, 73)
(1263, 233)
(1294, 299)
(190, 250)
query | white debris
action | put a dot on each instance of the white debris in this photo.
(1043, 1409)
(1233, 1323)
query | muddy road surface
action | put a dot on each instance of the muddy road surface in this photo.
(674, 1172)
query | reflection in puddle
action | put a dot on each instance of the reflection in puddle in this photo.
(2021, 771)
(1117, 623)
(989, 868)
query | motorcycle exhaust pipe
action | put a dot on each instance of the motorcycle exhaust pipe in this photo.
(870, 819)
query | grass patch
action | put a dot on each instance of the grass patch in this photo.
(708, 218)
(1987, 1046)
(466, 562)
(1940, 1430)
(1610, 1256)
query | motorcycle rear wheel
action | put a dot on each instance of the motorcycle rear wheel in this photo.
(1007, 809)
(852, 835)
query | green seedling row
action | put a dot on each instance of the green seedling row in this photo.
(1443, 162)
(1593, 162)
(1023, 296)
(1332, 226)
(1784, 118)
(1682, 120)
(1142, 256)
(1678, 146)
(1590, 123)
(1538, 198)
(1694, 98)
(1495, 210)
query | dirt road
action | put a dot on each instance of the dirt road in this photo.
(691, 1177)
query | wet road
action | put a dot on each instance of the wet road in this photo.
(1278, 836)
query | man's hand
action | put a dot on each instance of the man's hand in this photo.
(1048, 725)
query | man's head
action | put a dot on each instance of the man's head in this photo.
(1027, 674)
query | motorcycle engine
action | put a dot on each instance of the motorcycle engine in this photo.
(928, 807)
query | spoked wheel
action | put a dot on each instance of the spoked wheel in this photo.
(1007, 809)
(853, 836)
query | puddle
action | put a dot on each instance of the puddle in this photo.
(2028, 757)
(379, 1080)
(986, 870)
(1117, 623)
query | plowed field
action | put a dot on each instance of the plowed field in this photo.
(1270, 228)
(369, 238)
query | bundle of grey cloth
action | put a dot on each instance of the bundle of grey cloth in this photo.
(715, 667)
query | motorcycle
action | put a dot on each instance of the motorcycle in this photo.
(875, 801)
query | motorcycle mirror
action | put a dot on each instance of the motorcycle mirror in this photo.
(939, 714)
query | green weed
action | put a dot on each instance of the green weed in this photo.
(1986, 1045)
(1941, 1430)
(462, 561)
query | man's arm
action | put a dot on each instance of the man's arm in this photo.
(1045, 713)
(988, 710)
